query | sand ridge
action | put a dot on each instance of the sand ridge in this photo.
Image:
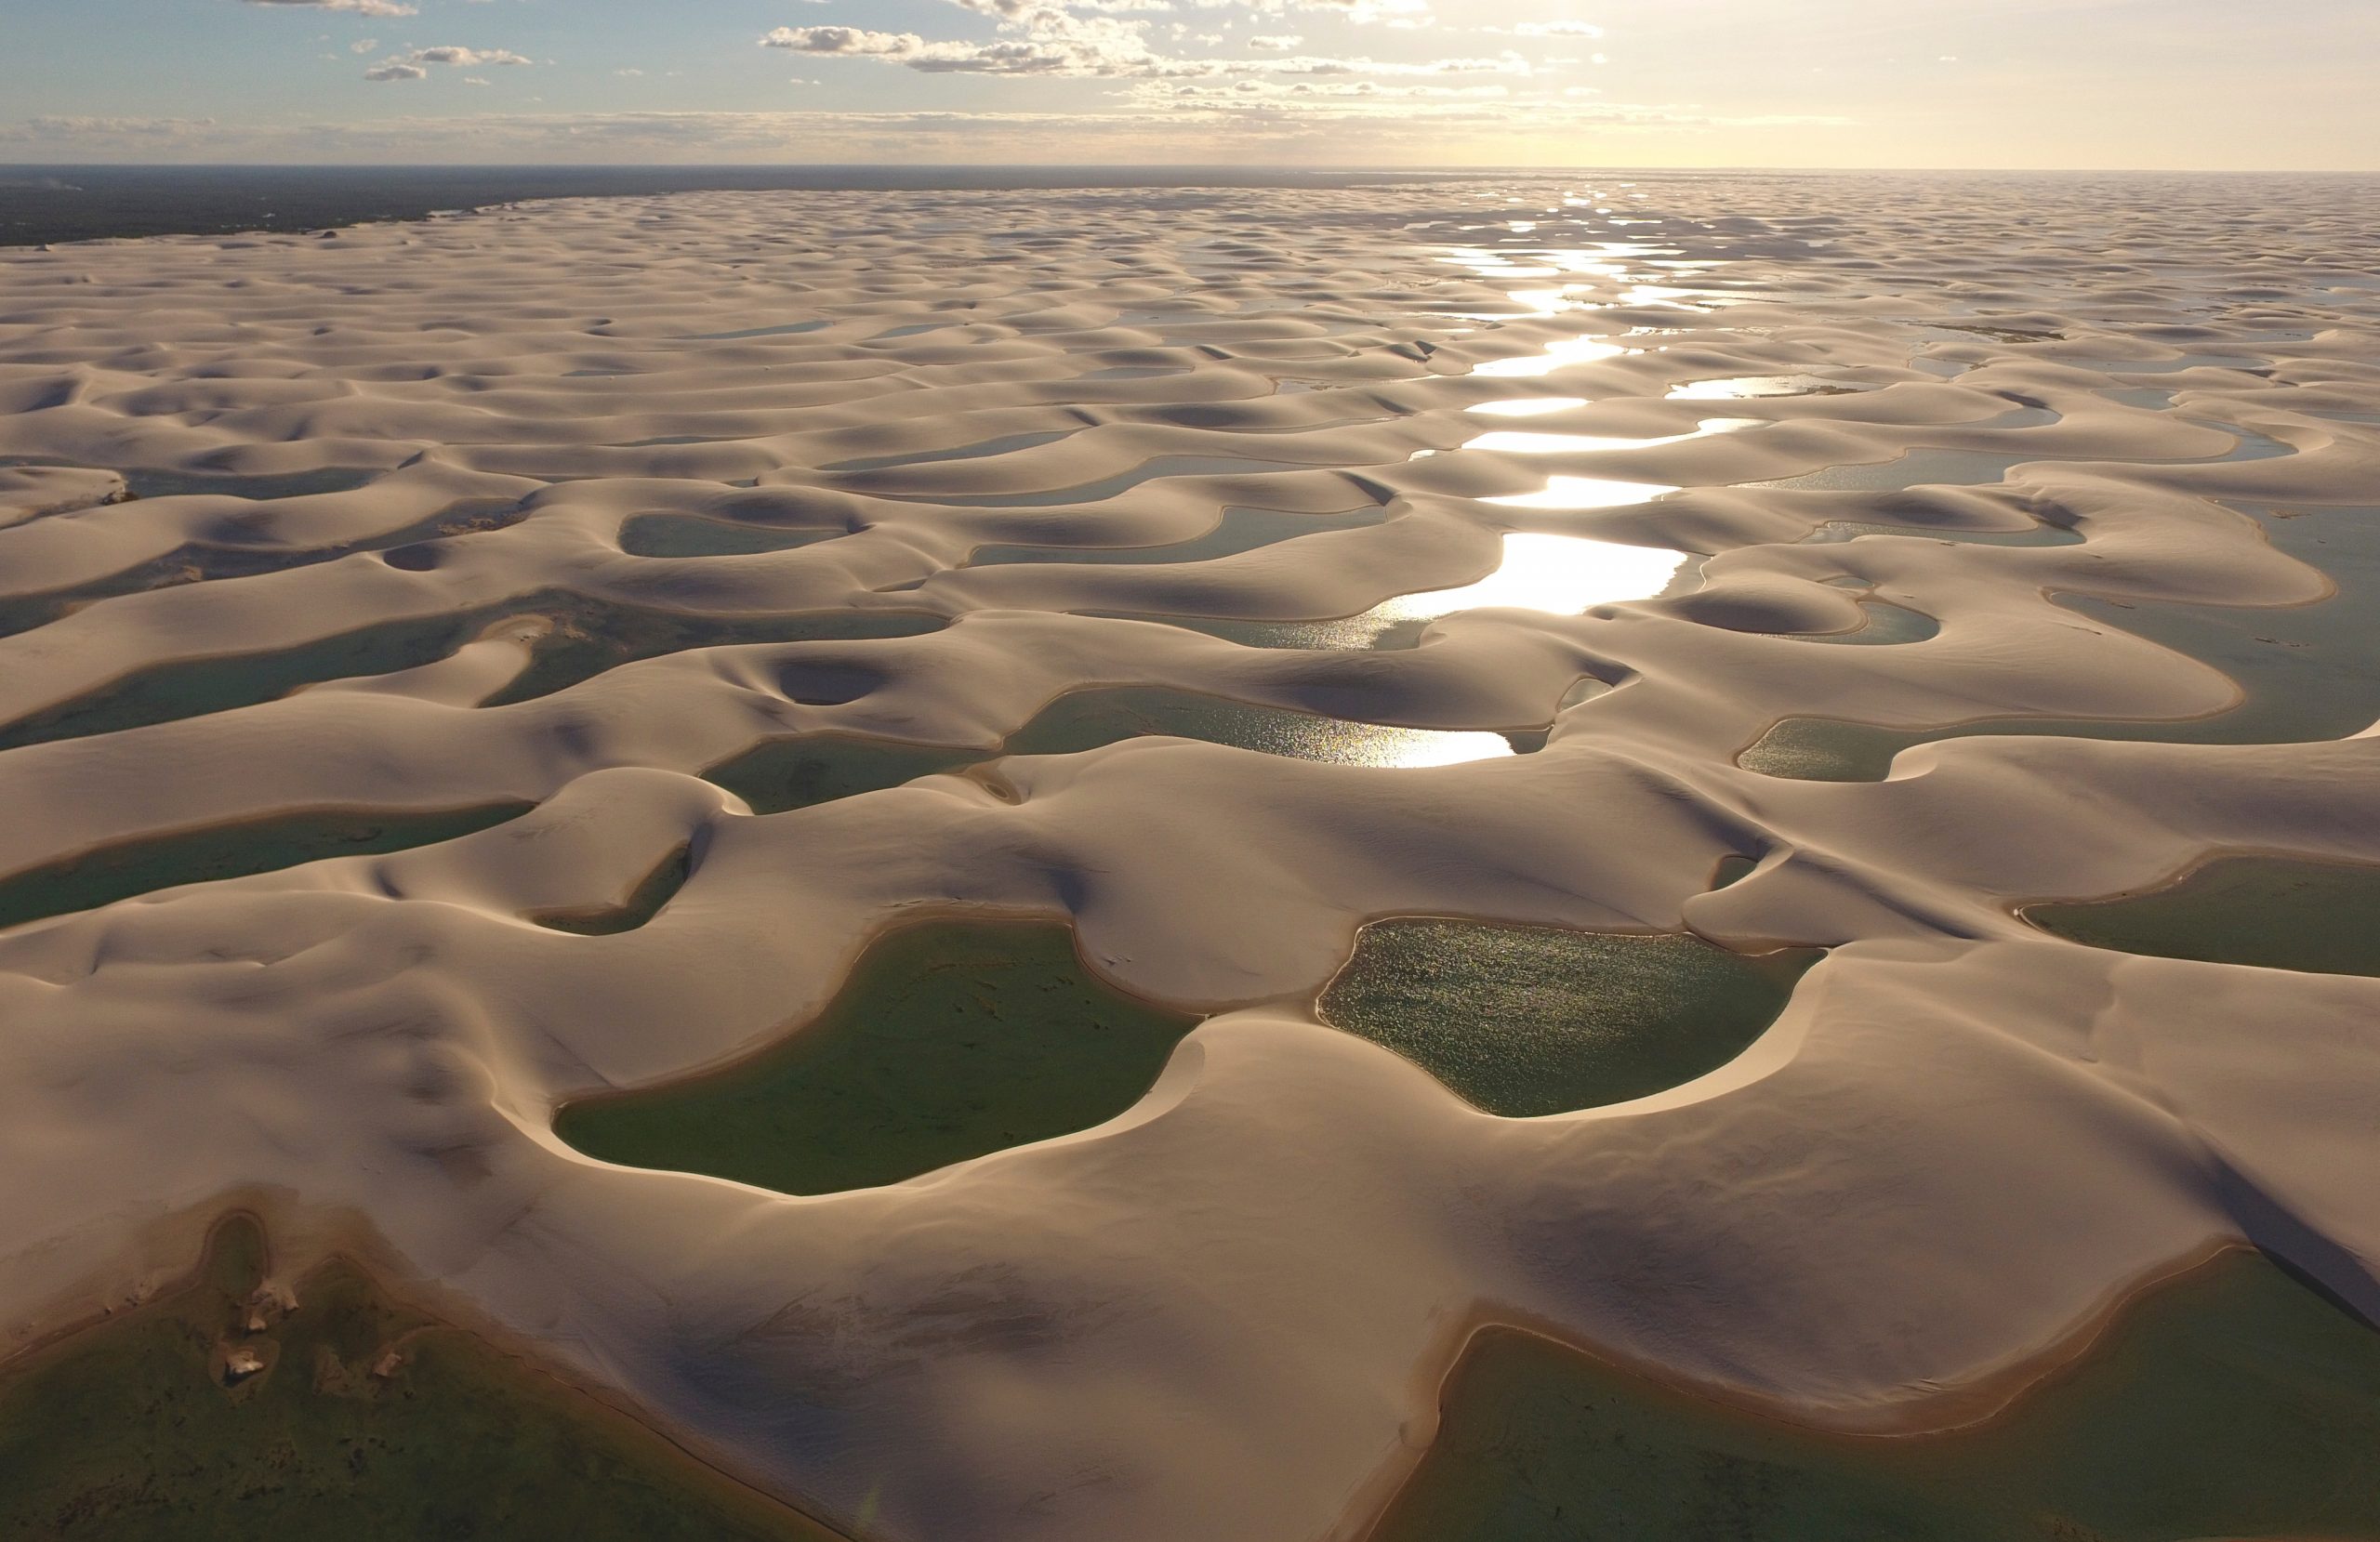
(1221, 1314)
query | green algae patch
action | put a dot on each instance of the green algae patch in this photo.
(192, 688)
(653, 890)
(1886, 624)
(780, 774)
(591, 636)
(586, 636)
(1732, 870)
(982, 450)
(157, 483)
(149, 483)
(217, 1410)
(1106, 715)
(2234, 1403)
(2274, 912)
(951, 1040)
(797, 773)
(1829, 749)
(2309, 672)
(211, 853)
(1240, 529)
(232, 549)
(1156, 469)
(702, 535)
(1529, 1021)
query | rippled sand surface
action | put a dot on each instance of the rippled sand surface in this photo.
(1509, 516)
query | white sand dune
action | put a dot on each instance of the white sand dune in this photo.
(1225, 1313)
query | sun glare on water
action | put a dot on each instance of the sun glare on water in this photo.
(1570, 350)
(1562, 574)
(1514, 442)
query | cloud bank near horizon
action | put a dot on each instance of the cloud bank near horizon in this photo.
(1990, 82)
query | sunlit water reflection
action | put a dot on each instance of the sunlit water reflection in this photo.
(1515, 441)
(1529, 406)
(1557, 575)
(1577, 494)
(1346, 743)
(1748, 388)
(1560, 575)
(1568, 352)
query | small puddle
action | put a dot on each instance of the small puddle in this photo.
(701, 535)
(949, 1040)
(154, 483)
(591, 636)
(1886, 624)
(789, 329)
(586, 637)
(797, 773)
(284, 484)
(2273, 912)
(1916, 468)
(1007, 444)
(226, 552)
(778, 776)
(2233, 1403)
(1530, 1020)
(1933, 468)
(658, 889)
(2309, 672)
(1240, 530)
(1158, 468)
(2169, 366)
(2042, 535)
(120, 872)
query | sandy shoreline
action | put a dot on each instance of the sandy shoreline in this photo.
(1962, 1142)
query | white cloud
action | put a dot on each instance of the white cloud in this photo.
(1040, 38)
(1547, 28)
(1499, 64)
(854, 42)
(1394, 12)
(411, 66)
(451, 54)
(359, 7)
(77, 125)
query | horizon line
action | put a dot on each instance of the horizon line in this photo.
(1233, 168)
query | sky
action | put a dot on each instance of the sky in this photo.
(1996, 84)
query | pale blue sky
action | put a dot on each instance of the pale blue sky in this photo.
(1878, 83)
